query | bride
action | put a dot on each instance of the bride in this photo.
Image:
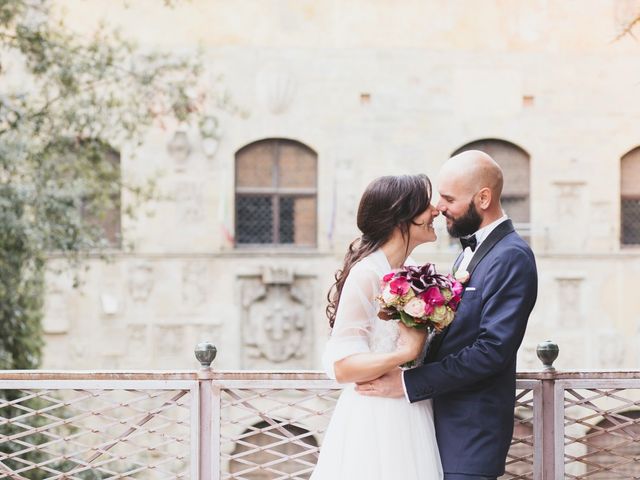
(376, 438)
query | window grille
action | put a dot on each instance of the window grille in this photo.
(276, 194)
(630, 198)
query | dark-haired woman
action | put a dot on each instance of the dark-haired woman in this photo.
(376, 438)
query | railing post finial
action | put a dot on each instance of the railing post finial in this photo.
(547, 352)
(205, 354)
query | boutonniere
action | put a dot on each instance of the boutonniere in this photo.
(462, 276)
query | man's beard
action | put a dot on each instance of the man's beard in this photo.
(467, 224)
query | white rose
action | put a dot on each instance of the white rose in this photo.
(415, 307)
(462, 276)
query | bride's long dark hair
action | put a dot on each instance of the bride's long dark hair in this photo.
(387, 203)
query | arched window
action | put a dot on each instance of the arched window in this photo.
(613, 447)
(514, 161)
(280, 446)
(88, 175)
(630, 198)
(276, 191)
(103, 209)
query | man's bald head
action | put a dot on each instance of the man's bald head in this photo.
(474, 170)
(470, 186)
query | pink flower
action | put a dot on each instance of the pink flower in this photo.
(433, 297)
(457, 288)
(400, 286)
(388, 277)
(454, 302)
(428, 309)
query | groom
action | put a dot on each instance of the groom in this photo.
(470, 368)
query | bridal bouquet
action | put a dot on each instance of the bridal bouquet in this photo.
(419, 297)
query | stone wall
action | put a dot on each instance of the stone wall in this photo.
(373, 88)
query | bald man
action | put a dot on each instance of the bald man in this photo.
(470, 368)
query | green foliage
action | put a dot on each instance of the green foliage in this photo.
(67, 104)
(21, 285)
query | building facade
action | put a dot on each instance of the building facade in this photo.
(259, 206)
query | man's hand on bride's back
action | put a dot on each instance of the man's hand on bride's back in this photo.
(410, 342)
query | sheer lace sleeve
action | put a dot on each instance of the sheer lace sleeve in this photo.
(355, 317)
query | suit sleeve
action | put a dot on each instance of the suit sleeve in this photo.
(508, 296)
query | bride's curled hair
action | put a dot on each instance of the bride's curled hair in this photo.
(388, 202)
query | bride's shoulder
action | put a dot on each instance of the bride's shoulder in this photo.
(364, 266)
(372, 267)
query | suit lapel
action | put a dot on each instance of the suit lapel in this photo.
(485, 247)
(491, 241)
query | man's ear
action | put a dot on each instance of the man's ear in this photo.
(485, 198)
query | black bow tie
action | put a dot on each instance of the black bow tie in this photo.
(470, 242)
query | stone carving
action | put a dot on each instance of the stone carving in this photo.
(276, 325)
(276, 275)
(569, 301)
(109, 303)
(194, 284)
(140, 282)
(210, 134)
(189, 202)
(179, 148)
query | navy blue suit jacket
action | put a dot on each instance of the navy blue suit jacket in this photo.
(470, 369)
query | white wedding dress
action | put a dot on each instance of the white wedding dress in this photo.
(373, 438)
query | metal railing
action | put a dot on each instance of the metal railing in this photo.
(211, 424)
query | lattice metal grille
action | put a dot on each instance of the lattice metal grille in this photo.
(287, 227)
(273, 433)
(254, 217)
(91, 433)
(602, 433)
(520, 459)
(631, 221)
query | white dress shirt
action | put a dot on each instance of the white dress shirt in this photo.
(481, 235)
